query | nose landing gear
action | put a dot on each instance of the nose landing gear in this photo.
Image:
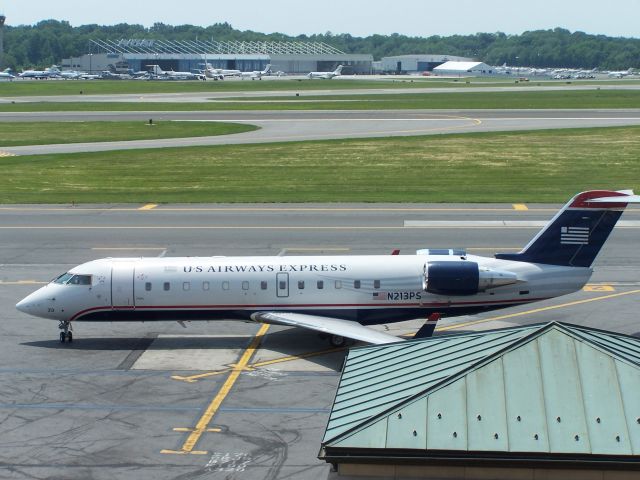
(66, 333)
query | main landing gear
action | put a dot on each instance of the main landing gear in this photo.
(66, 331)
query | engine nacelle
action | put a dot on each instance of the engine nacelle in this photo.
(463, 278)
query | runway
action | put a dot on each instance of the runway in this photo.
(123, 399)
(285, 126)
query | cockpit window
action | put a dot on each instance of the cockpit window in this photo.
(80, 280)
(64, 278)
(70, 279)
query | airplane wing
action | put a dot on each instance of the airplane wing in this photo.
(328, 325)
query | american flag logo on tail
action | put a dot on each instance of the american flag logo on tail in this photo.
(379, 295)
(574, 235)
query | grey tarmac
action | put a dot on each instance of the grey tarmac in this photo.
(285, 126)
(122, 397)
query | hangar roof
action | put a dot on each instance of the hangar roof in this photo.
(540, 389)
(459, 66)
(211, 47)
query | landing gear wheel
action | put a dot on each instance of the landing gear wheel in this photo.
(65, 334)
(337, 341)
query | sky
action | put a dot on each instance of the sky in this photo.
(618, 18)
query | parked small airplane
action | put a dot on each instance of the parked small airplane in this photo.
(326, 75)
(40, 74)
(337, 295)
(256, 73)
(621, 73)
(157, 72)
(6, 74)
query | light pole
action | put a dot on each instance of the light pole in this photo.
(2, 19)
(90, 64)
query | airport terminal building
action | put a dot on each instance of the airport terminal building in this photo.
(185, 56)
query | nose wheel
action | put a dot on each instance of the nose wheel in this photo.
(66, 331)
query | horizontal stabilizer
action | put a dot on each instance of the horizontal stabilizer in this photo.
(328, 325)
(625, 199)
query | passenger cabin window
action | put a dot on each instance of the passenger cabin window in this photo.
(376, 284)
(263, 285)
(225, 285)
(245, 285)
(205, 286)
(300, 284)
(166, 286)
(186, 286)
(320, 284)
(356, 284)
(147, 286)
(338, 284)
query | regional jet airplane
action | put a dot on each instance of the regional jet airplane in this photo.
(326, 75)
(337, 295)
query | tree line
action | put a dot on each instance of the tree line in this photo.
(49, 41)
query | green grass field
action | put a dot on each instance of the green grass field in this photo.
(536, 166)
(464, 100)
(37, 133)
(103, 87)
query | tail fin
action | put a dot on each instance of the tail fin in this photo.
(339, 70)
(577, 232)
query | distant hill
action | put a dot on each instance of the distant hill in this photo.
(49, 41)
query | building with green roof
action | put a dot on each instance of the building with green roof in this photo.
(554, 397)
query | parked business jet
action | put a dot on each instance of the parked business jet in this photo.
(158, 72)
(256, 73)
(337, 295)
(6, 74)
(326, 75)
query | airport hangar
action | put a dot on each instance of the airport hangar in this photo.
(184, 56)
(400, 64)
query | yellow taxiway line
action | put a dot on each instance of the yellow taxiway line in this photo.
(203, 424)
(536, 310)
(253, 366)
(290, 358)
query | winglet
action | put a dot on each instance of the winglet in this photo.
(429, 326)
(395, 251)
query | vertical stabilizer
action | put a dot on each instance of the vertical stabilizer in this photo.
(578, 231)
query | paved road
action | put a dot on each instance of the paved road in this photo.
(315, 125)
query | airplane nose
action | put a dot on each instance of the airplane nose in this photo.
(33, 304)
(25, 305)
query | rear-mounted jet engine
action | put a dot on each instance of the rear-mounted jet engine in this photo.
(463, 278)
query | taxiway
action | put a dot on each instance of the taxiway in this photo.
(124, 400)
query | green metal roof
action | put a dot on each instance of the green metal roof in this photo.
(554, 388)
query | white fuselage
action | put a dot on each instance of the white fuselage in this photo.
(367, 289)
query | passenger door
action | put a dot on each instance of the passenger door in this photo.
(122, 286)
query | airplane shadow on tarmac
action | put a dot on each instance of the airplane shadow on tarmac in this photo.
(291, 342)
